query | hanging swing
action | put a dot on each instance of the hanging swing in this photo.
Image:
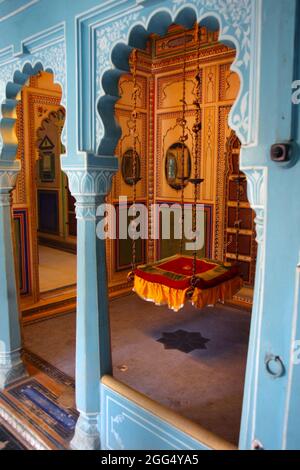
(180, 278)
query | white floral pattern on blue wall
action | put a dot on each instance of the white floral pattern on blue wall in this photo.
(52, 58)
(235, 26)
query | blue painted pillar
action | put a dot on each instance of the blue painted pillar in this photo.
(11, 365)
(273, 192)
(89, 186)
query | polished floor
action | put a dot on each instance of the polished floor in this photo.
(192, 361)
(57, 269)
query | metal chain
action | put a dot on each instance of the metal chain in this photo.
(197, 148)
(183, 139)
(134, 118)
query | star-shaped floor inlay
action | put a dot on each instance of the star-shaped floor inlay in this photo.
(185, 341)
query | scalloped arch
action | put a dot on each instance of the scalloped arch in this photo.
(137, 36)
(13, 90)
(54, 118)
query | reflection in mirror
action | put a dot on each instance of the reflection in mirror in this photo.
(178, 165)
(127, 167)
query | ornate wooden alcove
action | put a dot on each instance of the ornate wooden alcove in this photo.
(160, 83)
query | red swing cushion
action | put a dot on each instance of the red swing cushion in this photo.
(176, 272)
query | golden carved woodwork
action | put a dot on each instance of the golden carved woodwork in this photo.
(160, 89)
(118, 280)
(173, 42)
(210, 78)
(151, 165)
(169, 90)
(229, 83)
(33, 99)
(220, 201)
(169, 132)
(209, 153)
(19, 194)
(239, 239)
(51, 128)
(38, 98)
(126, 89)
(160, 82)
(44, 81)
(125, 143)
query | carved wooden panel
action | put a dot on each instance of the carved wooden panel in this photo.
(239, 230)
(169, 90)
(210, 80)
(208, 152)
(45, 81)
(126, 90)
(173, 41)
(168, 133)
(220, 201)
(125, 143)
(48, 145)
(219, 84)
(119, 251)
(22, 251)
(160, 78)
(229, 83)
(19, 194)
(37, 100)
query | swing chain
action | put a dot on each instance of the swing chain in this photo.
(197, 128)
(135, 179)
(183, 138)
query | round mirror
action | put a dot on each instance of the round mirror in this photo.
(178, 165)
(127, 167)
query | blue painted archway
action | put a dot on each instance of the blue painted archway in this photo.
(93, 52)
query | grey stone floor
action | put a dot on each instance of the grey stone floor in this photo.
(205, 385)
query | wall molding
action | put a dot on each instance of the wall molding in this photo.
(45, 51)
(22, 8)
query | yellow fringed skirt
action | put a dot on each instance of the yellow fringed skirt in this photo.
(176, 298)
(168, 282)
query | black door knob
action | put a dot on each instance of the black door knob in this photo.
(281, 152)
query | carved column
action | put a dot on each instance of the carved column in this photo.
(11, 364)
(93, 352)
(256, 186)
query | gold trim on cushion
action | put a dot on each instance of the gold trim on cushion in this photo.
(159, 294)
(175, 298)
(220, 293)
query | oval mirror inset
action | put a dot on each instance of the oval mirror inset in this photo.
(178, 165)
(127, 167)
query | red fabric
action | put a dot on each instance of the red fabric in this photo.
(184, 266)
(161, 279)
(171, 273)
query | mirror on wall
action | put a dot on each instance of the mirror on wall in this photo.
(127, 166)
(178, 165)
